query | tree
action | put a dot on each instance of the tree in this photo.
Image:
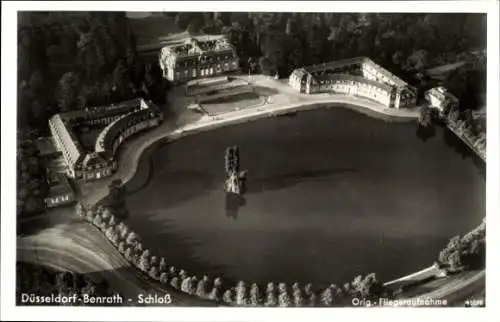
(145, 263)
(154, 260)
(186, 284)
(97, 221)
(91, 54)
(425, 117)
(368, 287)
(201, 290)
(254, 295)
(163, 264)
(270, 295)
(298, 299)
(129, 254)
(80, 211)
(123, 230)
(174, 282)
(266, 66)
(241, 291)
(112, 221)
(122, 247)
(215, 293)
(183, 274)
(283, 297)
(131, 238)
(327, 297)
(121, 80)
(311, 296)
(164, 277)
(454, 115)
(154, 273)
(228, 296)
(69, 85)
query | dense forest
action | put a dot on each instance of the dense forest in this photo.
(407, 43)
(69, 60)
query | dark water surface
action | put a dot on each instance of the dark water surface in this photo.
(331, 193)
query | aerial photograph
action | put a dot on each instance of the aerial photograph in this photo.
(251, 159)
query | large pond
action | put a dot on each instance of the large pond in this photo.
(332, 193)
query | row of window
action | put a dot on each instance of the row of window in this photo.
(97, 174)
(59, 199)
(195, 72)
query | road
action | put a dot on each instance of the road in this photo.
(76, 245)
(460, 290)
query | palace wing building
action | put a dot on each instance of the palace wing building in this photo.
(198, 57)
(355, 76)
(120, 120)
(440, 98)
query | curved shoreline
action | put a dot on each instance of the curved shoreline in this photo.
(238, 117)
(233, 118)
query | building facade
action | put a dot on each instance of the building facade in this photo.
(198, 57)
(357, 76)
(440, 98)
(120, 120)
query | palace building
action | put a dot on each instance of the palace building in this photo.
(356, 76)
(198, 57)
(440, 98)
(119, 121)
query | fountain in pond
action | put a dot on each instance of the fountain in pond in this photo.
(236, 179)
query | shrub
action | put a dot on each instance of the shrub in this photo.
(270, 295)
(254, 295)
(182, 274)
(172, 270)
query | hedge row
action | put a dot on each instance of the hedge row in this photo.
(216, 289)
